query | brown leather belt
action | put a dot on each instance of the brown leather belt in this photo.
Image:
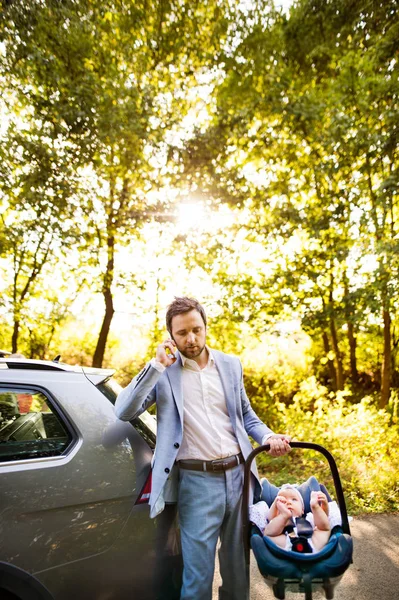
(214, 466)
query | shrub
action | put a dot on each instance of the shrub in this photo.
(363, 439)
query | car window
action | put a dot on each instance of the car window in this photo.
(145, 424)
(30, 427)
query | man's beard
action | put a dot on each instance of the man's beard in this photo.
(191, 351)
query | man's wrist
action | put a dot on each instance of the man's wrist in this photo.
(157, 365)
(265, 438)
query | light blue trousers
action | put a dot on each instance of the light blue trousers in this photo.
(209, 506)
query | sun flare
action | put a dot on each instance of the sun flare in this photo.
(191, 215)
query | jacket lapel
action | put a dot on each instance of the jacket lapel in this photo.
(225, 370)
(174, 374)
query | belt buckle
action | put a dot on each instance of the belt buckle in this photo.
(221, 464)
(217, 465)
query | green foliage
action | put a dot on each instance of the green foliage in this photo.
(304, 135)
(273, 371)
(90, 93)
(363, 440)
(299, 140)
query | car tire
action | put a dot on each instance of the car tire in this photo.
(5, 595)
(17, 584)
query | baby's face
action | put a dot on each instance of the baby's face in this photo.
(292, 501)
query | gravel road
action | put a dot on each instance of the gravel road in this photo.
(374, 574)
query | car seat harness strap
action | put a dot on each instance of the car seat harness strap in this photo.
(299, 532)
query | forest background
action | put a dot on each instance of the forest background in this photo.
(241, 152)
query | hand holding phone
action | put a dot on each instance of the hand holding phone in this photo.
(166, 353)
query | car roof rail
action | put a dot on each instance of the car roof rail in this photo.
(99, 374)
(37, 365)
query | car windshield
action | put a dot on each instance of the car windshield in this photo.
(111, 388)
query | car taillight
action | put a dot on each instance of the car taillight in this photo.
(144, 495)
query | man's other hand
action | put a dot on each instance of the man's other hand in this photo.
(279, 444)
(162, 356)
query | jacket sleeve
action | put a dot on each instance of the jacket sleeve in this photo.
(253, 425)
(139, 395)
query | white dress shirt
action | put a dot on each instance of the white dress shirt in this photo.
(208, 433)
(207, 430)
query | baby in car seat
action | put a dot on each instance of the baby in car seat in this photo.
(287, 527)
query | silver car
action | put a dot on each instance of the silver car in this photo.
(74, 487)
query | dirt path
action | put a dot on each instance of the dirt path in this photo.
(374, 574)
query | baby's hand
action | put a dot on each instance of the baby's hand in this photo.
(281, 504)
(319, 499)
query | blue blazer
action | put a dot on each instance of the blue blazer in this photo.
(165, 389)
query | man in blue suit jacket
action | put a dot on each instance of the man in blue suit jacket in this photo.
(204, 419)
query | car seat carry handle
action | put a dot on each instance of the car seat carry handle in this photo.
(247, 477)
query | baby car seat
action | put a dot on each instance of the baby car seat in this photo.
(287, 570)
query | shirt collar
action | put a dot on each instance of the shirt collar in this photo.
(192, 364)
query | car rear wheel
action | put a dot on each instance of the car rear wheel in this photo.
(24, 586)
(5, 595)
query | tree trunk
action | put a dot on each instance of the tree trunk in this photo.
(386, 363)
(351, 333)
(334, 338)
(105, 327)
(15, 334)
(352, 352)
(108, 299)
(36, 268)
(156, 330)
(338, 357)
(16, 310)
(386, 368)
(331, 367)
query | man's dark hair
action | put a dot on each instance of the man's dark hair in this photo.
(180, 306)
